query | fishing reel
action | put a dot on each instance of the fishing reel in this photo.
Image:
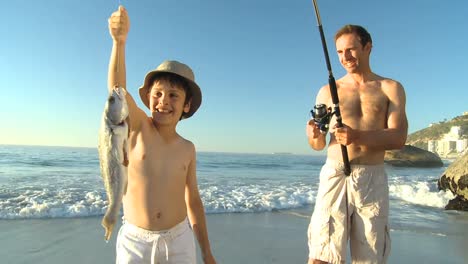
(322, 116)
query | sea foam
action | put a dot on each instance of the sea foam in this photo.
(420, 193)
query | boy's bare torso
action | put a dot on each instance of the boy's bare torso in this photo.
(155, 197)
(364, 107)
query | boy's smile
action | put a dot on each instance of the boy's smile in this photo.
(167, 102)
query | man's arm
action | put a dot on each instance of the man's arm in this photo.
(317, 140)
(119, 25)
(396, 131)
(196, 212)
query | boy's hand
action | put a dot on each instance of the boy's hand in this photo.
(119, 24)
(209, 259)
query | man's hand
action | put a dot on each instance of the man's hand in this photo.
(315, 137)
(312, 130)
(344, 135)
(119, 24)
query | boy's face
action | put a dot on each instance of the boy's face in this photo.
(167, 103)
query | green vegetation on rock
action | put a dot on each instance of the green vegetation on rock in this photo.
(436, 131)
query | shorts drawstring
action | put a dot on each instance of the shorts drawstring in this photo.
(137, 240)
(155, 246)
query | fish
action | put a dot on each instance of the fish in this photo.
(113, 155)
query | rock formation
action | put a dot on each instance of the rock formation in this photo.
(410, 156)
(455, 179)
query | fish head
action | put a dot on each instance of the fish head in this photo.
(116, 109)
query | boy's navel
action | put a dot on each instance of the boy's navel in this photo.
(157, 215)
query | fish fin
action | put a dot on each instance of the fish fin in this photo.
(127, 120)
(125, 156)
(125, 147)
(125, 187)
(125, 151)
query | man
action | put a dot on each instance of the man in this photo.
(355, 207)
(162, 195)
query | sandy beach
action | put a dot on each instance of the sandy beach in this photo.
(270, 237)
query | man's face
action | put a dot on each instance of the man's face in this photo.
(351, 53)
(167, 102)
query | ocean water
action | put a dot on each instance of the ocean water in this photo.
(61, 182)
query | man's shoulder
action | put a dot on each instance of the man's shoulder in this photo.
(392, 89)
(390, 86)
(324, 93)
(390, 82)
(387, 82)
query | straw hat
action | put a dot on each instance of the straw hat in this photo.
(181, 70)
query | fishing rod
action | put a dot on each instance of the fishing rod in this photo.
(333, 92)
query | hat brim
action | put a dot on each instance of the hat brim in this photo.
(194, 89)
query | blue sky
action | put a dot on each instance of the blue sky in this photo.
(259, 63)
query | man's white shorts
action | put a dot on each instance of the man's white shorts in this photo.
(353, 208)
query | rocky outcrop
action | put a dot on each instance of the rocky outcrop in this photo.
(410, 156)
(455, 179)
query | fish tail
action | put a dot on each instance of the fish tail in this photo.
(108, 223)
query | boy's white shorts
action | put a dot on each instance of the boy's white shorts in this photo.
(138, 245)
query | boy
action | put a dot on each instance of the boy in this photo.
(162, 185)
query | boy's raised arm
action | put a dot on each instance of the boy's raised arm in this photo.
(119, 25)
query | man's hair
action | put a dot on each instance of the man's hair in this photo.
(361, 32)
(175, 81)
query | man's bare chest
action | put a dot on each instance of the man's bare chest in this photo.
(363, 105)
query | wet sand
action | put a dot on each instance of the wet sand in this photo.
(271, 237)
